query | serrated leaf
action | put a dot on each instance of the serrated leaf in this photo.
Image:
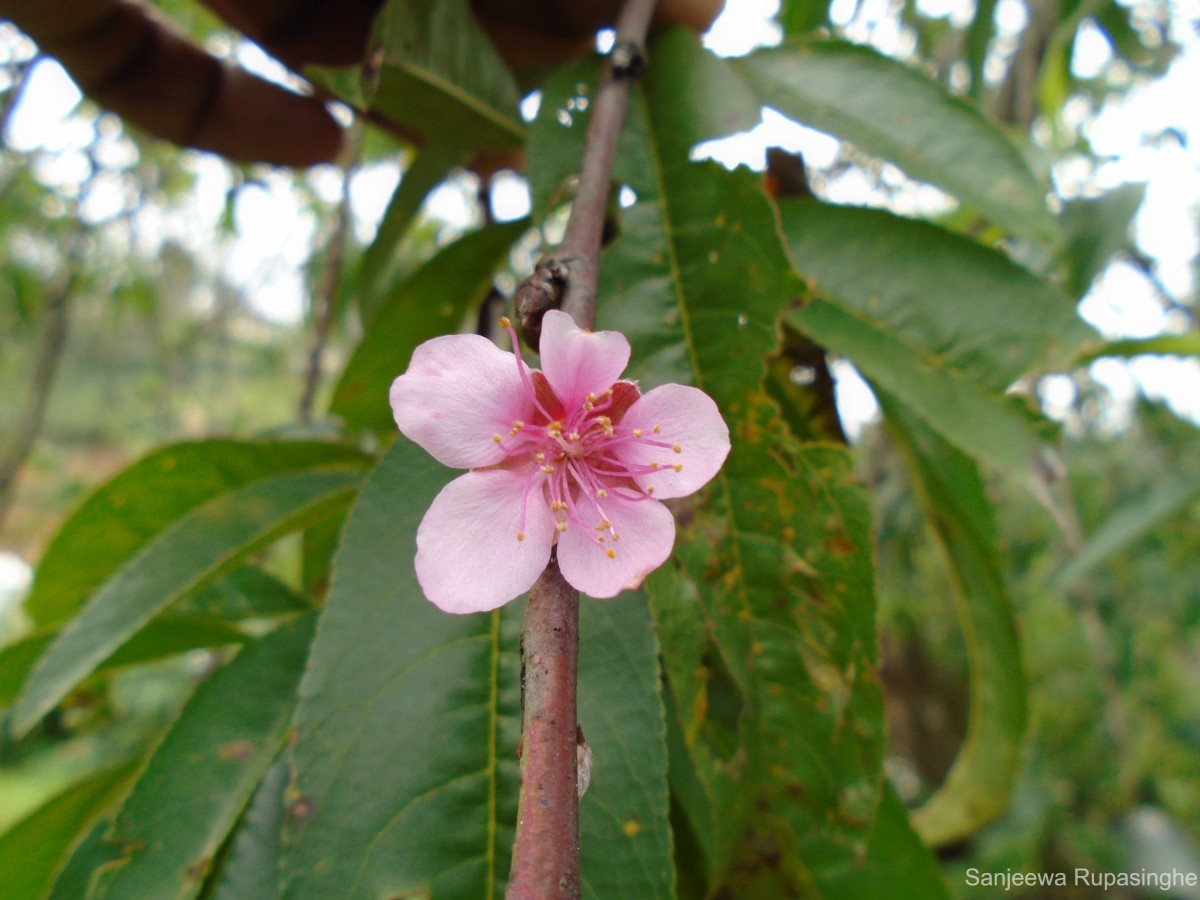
(952, 493)
(1163, 345)
(165, 636)
(440, 76)
(966, 305)
(1094, 231)
(407, 716)
(974, 419)
(624, 838)
(33, 850)
(252, 868)
(85, 864)
(246, 593)
(203, 545)
(892, 111)
(375, 270)
(767, 619)
(433, 301)
(148, 497)
(717, 101)
(170, 827)
(896, 865)
(1130, 523)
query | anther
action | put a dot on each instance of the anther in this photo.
(650, 490)
(496, 438)
(548, 469)
(678, 467)
(637, 432)
(657, 429)
(602, 493)
(520, 535)
(561, 526)
(505, 322)
(610, 553)
(654, 465)
(540, 456)
(676, 448)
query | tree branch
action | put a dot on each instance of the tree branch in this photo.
(546, 850)
(37, 397)
(325, 299)
(567, 280)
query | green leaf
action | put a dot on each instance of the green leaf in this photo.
(966, 305)
(799, 17)
(896, 865)
(1094, 231)
(889, 110)
(89, 858)
(974, 419)
(170, 827)
(252, 867)
(624, 838)
(1162, 345)
(246, 593)
(203, 545)
(33, 850)
(441, 77)
(979, 38)
(433, 301)
(953, 496)
(718, 102)
(407, 716)
(166, 636)
(147, 498)
(766, 620)
(375, 271)
(1130, 523)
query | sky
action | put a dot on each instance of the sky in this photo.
(278, 233)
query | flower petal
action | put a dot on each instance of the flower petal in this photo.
(459, 391)
(468, 556)
(687, 418)
(645, 533)
(578, 362)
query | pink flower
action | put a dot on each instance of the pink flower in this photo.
(567, 455)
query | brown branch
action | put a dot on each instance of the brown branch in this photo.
(41, 382)
(325, 300)
(571, 272)
(546, 850)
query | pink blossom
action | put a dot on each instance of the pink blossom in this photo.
(569, 455)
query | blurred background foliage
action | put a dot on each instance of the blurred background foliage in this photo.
(123, 327)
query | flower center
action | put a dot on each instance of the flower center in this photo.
(579, 464)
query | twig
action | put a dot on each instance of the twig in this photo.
(325, 300)
(546, 850)
(568, 279)
(41, 382)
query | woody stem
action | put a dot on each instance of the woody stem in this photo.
(546, 851)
